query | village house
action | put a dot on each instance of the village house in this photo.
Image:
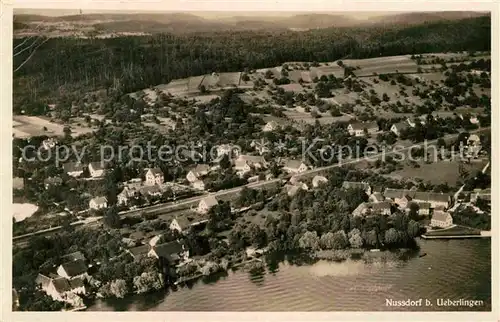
(98, 203)
(49, 143)
(154, 176)
(124, 197)
(75, 256)
(473, 140)
(206, 203)
(72, 269)
(227, 149)
(172, 252)
(423, 207)
(294, 166)
(434, 198)
(376, 197)
(198, 172)
(139, 251)
(97, 169)
(73, 169)
(318, 181)
(260, 146)
(150, 191)
(422, 120)
(399, 127)
(360, 129)
(403, 196)
(480, 194)
(372, 208)
(62, 289)
(52, 182)
(199, 185)
(441, 219)
(346, 185)
(183, 224)
(293, 189)
(257, 162)
(270, 126)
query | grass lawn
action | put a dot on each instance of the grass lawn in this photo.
(454, 231)
(437, 172)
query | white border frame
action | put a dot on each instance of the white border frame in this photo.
(6, 9)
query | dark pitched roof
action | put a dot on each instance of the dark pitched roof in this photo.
(61, 285)
(167, 249)
(73, 257)
(431, 196)
(376, 206)
(156, 171)
(76, 282)
(362, 126)
(183, 222)
(139, 250)
(401, 126)
(75, 268)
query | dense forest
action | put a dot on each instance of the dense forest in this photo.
(133, 63)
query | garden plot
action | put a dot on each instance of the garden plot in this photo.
(436, 77)
(408, 67)
(392, 91)
(437, 172)
(295, 75)
(203, 99)
(378, 61)
(28, 126)
(229, 79)
(481, 91)
(295, 88)
(343, 97)
(175, 87)
(194, 83)
(337, 71)
(275, 70)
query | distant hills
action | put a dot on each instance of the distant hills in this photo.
(188, 22)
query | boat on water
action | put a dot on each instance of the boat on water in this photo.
(422, 255)
(375, 250)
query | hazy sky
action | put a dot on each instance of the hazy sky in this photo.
(206, 14)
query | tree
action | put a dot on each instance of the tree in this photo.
(355, 238)
(148, 281)
(413, 229)
(391, 236)
(309, 240)
(225, 163)
(118, 288)
(327, 240)
(340, 240)
(112, 219)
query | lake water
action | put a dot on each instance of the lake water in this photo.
(452, 269)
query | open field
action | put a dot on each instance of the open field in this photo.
(28, 126)
(229, 79)
(437, 172)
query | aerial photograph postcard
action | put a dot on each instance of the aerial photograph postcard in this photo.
(251, 161)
